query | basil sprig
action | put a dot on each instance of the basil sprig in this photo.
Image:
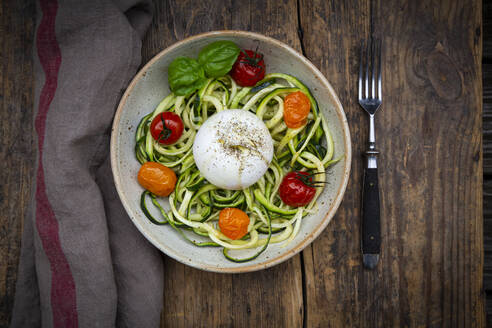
(186, 75)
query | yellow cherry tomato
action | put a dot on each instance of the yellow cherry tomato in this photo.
(157, 178)
(296, 109)
(233, 223)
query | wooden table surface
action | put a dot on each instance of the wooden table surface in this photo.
(429, 133)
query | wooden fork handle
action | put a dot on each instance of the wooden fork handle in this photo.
(371, 226)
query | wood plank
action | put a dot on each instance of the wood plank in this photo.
(430, 272)
(487, 118)
(17, 19)
(489, 313)
(332, 263)
(487, 31)
(195, 298)
(487, 232)
(443, 87)
(487, 152)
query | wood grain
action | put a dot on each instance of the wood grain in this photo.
(194, 298)
(487, 153)
(487, 117)
(17, 19)
(437, 216)
(430, 167)
(487, 234)
(332, 31)
(487, 31)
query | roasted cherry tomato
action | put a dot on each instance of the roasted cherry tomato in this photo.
(157, 178)
(233, 223)
(166, 128)
(249, 68)
(296, 109)
(295, 189)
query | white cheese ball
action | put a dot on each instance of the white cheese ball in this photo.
(233, 149)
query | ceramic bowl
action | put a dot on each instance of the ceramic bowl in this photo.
(150, 86)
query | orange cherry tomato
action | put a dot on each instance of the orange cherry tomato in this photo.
(157, 178)
(296, 109)
(233, 223)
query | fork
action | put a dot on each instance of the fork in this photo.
(370, 101)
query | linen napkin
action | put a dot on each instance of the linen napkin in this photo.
(83, 263)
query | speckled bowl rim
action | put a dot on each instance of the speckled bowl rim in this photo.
(341, 190)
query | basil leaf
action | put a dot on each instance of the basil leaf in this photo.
(185, 76)
(218, 57)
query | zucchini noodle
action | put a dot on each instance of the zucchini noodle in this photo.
(195, 204)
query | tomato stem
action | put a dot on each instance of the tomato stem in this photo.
(252, 60)
(307, 179)
(166, 132)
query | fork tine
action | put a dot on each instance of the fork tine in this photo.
(367, 68)
(380, 92)
(373, 68)
(360, 68)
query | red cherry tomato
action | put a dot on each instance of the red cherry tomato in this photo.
(294, 191)
(166, 128)
(249, 68)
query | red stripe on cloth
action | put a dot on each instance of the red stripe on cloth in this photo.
(63, 298)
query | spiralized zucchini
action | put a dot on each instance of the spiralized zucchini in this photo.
(195, 204)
